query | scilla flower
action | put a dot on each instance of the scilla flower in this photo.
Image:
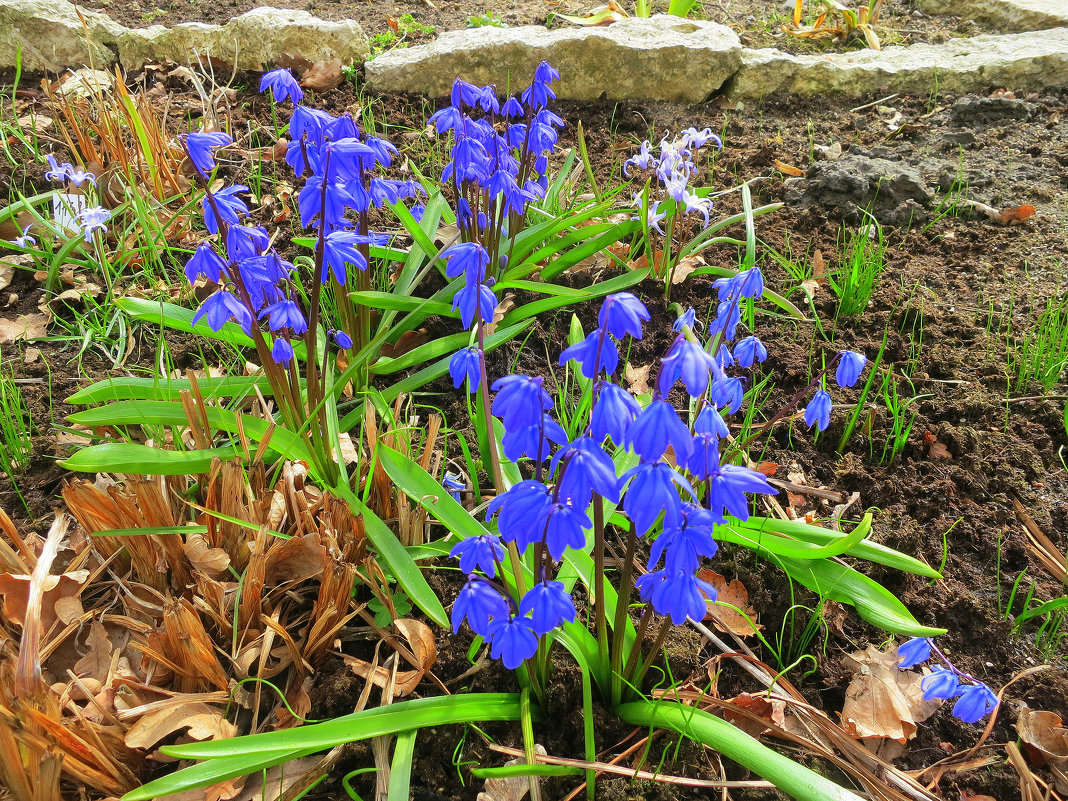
(850, 366)
(818, 411)
(914, 652)
(92, 219)
(478, 552)
(466, 364)
(282, 85)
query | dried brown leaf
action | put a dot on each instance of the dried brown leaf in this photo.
(15, 588)
(295, 559)
(97, 662)
(728, 595)
(421, 640)
(773, 710)
(202, 721)
(1044, 736)
(637, 378)
(882, 700)
(322, 76)
(204, 558)
(25, 326)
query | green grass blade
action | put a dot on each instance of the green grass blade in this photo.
(129, 457)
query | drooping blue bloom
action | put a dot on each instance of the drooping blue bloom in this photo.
(687, 543)
(519, 508)
(512, 108)
(219, 307)
(679, 596)
(453, 484)
(850, 366)
(710, 421)
(24, 240)
(533, 441)
(818, 411)
(589, 469)
(690, 362)
(206, 262)
(478, 552)
(337, 197)
(199, 147)
(479, 603)
(229, 207)
(342, 340)
(282, 85)
(243, 242)
(595, 353)
(728, 484)
(548, 605)
(728, 316)
(613, 412)
(512, 640)
(751, 283)
(281, 351)
(64, 172)
(564, 527)
(285, 313)
(466, 364)
(340, 248)
(685, 320)
(653, 489)
(466, 258)
(750, 350)
(657, 427)
(472, 298)
(976, 701)
(621, 314)
(914, 652)
(943, 683)
(520, 400)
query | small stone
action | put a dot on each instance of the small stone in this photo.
(974, 111)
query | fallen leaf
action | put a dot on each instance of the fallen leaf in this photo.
(8, 265)
(883, 701)
(409, 340)
(773, 710)
(15, 588)
(682, 269)
(274, 782)
(25, 326)
(421, 640)
(510, 788)
(728, 595)
(936, 449)
(202, 721)
(204, 558)
(1045, 740)
(767, 468)
(788, 169)
(322, 76)
(1016, 214)
(31, 355)
(637, 378)
(97, 662)
(506, 305)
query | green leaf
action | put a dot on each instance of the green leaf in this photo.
(394, 302)
(128, 457)
(598, 290)
(244, 755)
(114, 389)
(793, 779)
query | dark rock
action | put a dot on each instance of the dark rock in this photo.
(969, 112)
(892, 191)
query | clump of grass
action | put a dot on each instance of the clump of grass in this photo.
(1042, 355)
(863, 263)
(406, 25)
(15, 446)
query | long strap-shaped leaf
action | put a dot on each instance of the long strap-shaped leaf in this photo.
(242, 755)
(793, 779)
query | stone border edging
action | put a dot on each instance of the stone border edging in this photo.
(660, 58)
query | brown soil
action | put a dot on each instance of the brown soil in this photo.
(956, 288)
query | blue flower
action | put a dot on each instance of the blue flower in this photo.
(657, 427)
(710, 421)
(338, 199)
(914, 652)
(976, 701)
(243, 241)
(219, 307)
(622, 314)
(513, 109)
(199, 146)
(727, 484)
(613, 413)
(475, 297)
(652, 491)
(228, 205)
(478, 552)
(685, 320)
(679, 596)
(466, 258)
(549, 605)
(512, 640)
(589, 469)
(281, 351)
(94, 218)
(818, 411)
(850, 366)
(689, 361)
(685, 544)
(519, 508)
(206, 262)
(595, 353)
(532, 441)
(340, 249)
(751, 283)
(479, 603)
(466, 364)
(749, 351)
(453, 484)
(942, 683)
(285, 313)
(343, 340)
(282, 85)
(563, 526)
(520, 401)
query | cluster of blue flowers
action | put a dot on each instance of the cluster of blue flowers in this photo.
(338, 165)
(499, 165)
(975, 700)
(673, 166)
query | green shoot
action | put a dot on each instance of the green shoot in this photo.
(1042, 356)
(864, 260)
